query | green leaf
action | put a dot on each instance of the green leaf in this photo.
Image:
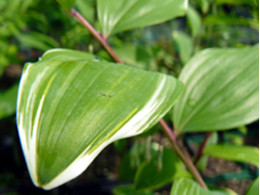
(4, 61)
(221, 90)
(120, 145)
(134, 55)
(116, 16)
(37, 41)
(159, 171)
(67, 4)
(254, 188)
(68, 55)
(230, 20)
(236, 2)
(135, 156)
(194, 21)
(87, 9)
(204, 5)
(245, 154)
(8, 101)
(190, 187)
(183, 44)
(70, 108)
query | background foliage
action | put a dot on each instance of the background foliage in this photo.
(28, 28)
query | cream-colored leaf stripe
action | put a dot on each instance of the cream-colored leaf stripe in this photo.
(137, 124)
(221, 90)
(65, 123)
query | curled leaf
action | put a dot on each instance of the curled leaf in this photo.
(72, 105)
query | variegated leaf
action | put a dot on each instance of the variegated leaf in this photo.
(72, 105)
(221, 90)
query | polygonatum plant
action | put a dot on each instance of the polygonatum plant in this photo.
(71, 105)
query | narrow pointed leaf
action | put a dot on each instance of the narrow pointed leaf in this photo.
(246, 154)
(204, 5)
(221, 90)
(188, 186)
(194, 21)
(72, 105)
(37, 41)
(116, 16)
(183, 44)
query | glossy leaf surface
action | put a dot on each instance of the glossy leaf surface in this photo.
(116, 16)
(221, 90)
(246, 154)
(71, 105)
(188, 186)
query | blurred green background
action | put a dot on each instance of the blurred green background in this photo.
(30, 27)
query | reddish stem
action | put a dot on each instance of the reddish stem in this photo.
(202, 148)
(182, 153)
(167, 130)
(98, 36)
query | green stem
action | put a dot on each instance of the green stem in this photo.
(184, 156)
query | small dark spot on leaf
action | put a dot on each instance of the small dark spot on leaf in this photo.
(105, 95)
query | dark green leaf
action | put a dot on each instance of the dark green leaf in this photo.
(159, 171)
(230, 20)
(8, 101)
(236, 2)
(132, 160)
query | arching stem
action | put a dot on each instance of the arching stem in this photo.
(166, 129)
